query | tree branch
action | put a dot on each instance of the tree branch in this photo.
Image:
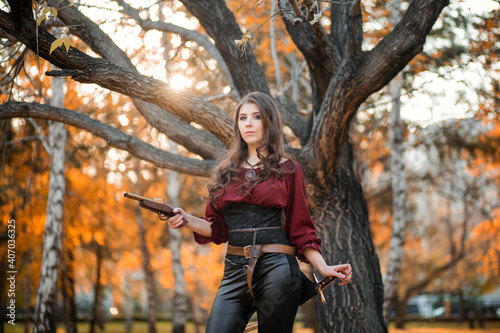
(346, 29)
(114, 137)
(197, 141)
(186, 34)
(221, 25)
(314, 44)
(92, 70)
(364, 74)
(392, 54)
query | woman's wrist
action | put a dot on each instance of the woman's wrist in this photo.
(323, 269)
(192, 221)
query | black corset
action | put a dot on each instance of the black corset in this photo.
(243, 216)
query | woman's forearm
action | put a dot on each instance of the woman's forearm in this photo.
(316, 259)
(342, 271)
(200, 226)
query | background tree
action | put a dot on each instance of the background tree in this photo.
(47, 289)
(398, 185)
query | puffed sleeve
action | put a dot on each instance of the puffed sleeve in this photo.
(219, 228)
(299, 226)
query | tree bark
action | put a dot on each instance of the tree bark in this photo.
(341, 216)
(148, 273)
(47, 288)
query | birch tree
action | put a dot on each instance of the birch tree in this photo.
(47, 288)
(398, 181)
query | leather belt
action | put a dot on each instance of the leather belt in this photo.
(255, 251)
(246, 251)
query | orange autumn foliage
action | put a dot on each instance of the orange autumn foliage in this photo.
(487, 234)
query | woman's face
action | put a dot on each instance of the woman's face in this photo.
(250, 125)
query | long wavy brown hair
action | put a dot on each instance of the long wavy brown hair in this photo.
(229, 169)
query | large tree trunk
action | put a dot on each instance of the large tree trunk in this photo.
(46, 295)
(180, 299)
(341, 216)
(148, 273)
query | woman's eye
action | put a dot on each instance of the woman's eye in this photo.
(243, 118)
(257, 116)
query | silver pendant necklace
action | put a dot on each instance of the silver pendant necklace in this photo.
(251, 172)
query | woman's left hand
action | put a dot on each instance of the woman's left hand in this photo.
(342, 271)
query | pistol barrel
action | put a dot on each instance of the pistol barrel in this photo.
(134, 196)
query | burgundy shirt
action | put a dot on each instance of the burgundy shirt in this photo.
(289, 193)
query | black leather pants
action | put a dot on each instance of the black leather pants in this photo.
(277, 289)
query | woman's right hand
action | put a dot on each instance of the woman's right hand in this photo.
(177, 220)
(196, 224)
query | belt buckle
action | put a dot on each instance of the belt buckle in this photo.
(247, 250)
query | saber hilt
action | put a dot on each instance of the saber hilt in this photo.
(321, 285)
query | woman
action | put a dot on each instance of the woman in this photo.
(248, 193)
